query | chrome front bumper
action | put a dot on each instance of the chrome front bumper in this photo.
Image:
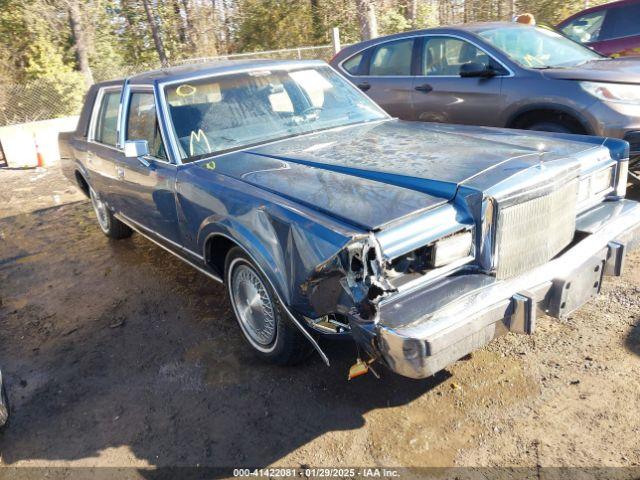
(421, 332)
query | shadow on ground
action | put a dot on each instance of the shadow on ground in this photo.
(632, 341)
(107, 344)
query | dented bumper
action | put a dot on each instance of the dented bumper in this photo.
(424, 330)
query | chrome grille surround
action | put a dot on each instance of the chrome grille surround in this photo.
(532, 232)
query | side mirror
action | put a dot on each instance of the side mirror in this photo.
(475, 69)
(136, 148)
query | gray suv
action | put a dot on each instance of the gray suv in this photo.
(499, 74)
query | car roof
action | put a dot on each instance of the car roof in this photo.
(207, 68)
(216, 67)
(471, 28)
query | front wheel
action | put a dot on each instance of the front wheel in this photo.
(110, 225)
(264, 325)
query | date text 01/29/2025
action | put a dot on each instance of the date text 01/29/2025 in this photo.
(317, 472)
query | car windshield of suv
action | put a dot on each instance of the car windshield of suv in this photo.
(227, 112)
(535, 47)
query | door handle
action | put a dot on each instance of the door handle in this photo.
(364, 86)
(425, 87)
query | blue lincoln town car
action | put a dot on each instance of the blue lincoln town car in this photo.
(324, 216)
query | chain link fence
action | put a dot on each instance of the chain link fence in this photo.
(62, 95)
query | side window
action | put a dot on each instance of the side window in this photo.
(107, 121)
(585, 28)
(621, 22)
(392, 59)
(142, 123)
(444, 55)
(352, 66)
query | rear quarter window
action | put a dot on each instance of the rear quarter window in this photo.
(107, 119)
(352, 65)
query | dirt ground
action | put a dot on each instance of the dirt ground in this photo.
(117, 354)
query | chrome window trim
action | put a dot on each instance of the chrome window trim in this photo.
(128, 91)
(424, 35)
(163, 104)
(95, 111)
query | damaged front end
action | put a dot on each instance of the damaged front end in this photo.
(432, 287)
(346, 290)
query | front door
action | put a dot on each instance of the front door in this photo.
(440, 94)
(145, 193)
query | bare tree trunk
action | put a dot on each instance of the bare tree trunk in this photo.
(191, 33)
(80, 41)
(182, 30)
(512, 9)
(155, 33)
(411, 12)
(316, 21)
(367, 19)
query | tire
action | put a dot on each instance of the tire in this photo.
(264, 324)
(110, 225)
(4, 405)
(555, 127)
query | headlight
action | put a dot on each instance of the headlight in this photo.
(613, 92)
(595, 184)
(622, 179)
(451, 248)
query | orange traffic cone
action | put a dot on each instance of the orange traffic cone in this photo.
(39, 156)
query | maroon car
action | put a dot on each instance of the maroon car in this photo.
(612, 29)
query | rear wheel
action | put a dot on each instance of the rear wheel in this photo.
(262, 321)
(4, 405)
(110, 225)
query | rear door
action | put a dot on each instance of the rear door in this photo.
(440, 94)
(102, 140)
(385, 73)
(145, 192)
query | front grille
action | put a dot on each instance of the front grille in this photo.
(529, 234)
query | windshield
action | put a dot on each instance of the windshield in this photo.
(535, 47)
(227, 112)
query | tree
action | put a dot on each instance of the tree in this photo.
(411, 12)
(367, 19)
(155, 32)
(80, 41)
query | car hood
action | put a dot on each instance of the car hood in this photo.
(372, 175)
(619, 70)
